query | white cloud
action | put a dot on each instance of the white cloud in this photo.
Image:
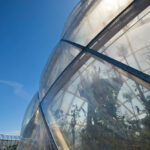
(17, 88)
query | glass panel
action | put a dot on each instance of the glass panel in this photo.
(35, 136)
(62, 55)
(90, 17)
(32, 108)
(8, 142)
(132, 44)
(102, 109)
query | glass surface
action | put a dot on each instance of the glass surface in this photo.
(32, 108)
(90, 17)
(35, 136)
(9, 137)
(100, 108)
(8, 142)
(62, 55)
(132, 44)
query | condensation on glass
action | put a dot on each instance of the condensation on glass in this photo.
(35, 136)
(61, 56)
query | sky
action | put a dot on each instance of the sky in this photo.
(29, 30)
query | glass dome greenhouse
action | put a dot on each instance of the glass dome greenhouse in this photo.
(94, 91)
(8, 142)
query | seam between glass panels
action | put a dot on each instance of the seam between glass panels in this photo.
(114, 62)
(26, 126)
(54, 87)
(65, 70)
(128, 69)
(125, 33)
(118, 22)
(48, 130)
(136, 3)
(46, 126)
(89, 6)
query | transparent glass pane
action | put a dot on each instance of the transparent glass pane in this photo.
(62, 55)
(102, 108)
(90, 17)
(132, 44)
(7, 142)
(35, 136)
(32, 108)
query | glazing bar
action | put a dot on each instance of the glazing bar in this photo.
(48, 130)
(114, 62)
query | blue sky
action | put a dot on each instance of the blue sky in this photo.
(29, 29)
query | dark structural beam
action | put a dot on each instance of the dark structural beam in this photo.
(114, 62)
(48, 130)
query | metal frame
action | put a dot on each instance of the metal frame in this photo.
(63, 75)
(128, 14)
(136, 7)
(114, 62)
(47, 128)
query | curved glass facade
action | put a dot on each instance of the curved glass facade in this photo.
(62, 55)
(35, 135)
(31, 110)
(90, 17)
(94, 92)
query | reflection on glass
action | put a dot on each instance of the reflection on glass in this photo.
(102, 109)
(90, 17)
(62, 55)
(8, 142)
(132, 44)
(32, 108)
(35, 136)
